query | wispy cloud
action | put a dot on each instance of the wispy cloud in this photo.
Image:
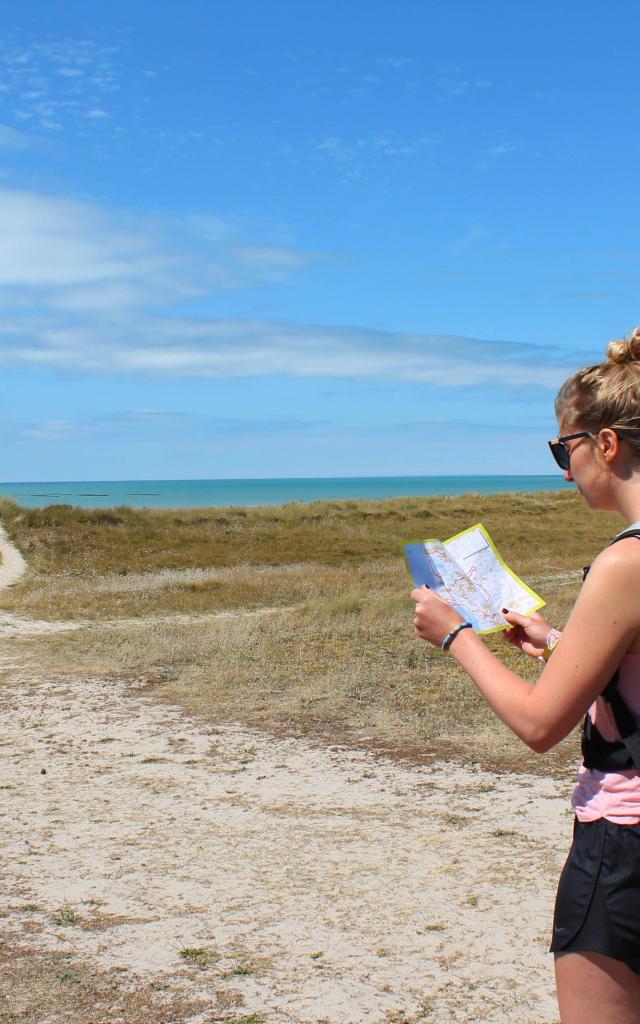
(362, 156)
(13, 141)
(498, 151)
(455, 81)
(137, 424)
(50, 242)
(468, 240)
(188, 347)
(593, 296)
(150, 415)
(270, 262)
(126, 421)
(60, 254)
(396, 62)
(51, 430)
(460, 430)
(96, 293)
(60, 84)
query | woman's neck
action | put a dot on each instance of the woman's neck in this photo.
(626, 498)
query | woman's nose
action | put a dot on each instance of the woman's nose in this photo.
(567, 475)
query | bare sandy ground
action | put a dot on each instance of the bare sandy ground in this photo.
(266, 876)
(323, 885)
(12, 564)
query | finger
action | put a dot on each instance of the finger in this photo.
(515, 618)
(515, 639)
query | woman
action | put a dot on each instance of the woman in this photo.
(596, 935)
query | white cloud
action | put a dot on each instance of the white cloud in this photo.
(63, 83)
(469, 239)
(211, 228)
(91, 292)
(182, 347)
(396, 62)
(50, 430)
(272, 260)
(150, 415)
(135, 425)
(61, 254)
(498, 151)
(47, 242)
(359, 158)
(103, 296)
(453, 81)
(13, 140)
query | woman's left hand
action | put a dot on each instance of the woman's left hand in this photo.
(434, 617)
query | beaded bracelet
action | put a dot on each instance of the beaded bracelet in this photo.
(450, 637)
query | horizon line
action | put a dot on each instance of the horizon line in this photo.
(277, 479)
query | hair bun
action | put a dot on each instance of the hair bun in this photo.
(618, 351)
(625, 350)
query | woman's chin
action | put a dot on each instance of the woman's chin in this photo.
(588, 499)
(596, 504)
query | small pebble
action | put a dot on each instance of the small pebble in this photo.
(43, 771)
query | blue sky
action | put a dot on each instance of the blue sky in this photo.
(308, 238)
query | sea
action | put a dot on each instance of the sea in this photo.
(251, 493)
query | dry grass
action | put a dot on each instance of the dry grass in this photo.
(120, 563)
(63, 539)
(343, 668)
(293, 619)
(58, 987)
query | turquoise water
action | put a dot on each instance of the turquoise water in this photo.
(217, 493)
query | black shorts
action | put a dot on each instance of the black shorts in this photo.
(598, 902)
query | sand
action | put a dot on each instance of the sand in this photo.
(12, 564)
(301, 884)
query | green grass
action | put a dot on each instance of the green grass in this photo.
(69, 977)
(66, 916)
(201, 956)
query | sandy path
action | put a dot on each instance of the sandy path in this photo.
(12, 564)
(317, 885)
(12, 625)
(349, 889)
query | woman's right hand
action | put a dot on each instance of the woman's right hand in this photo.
(528, 632)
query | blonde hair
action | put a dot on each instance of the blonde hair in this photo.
(607, 394)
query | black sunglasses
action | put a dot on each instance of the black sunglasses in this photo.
(559, 450)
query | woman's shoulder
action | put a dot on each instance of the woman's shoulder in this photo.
(621, 559)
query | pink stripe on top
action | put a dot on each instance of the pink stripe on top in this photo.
(611, 795)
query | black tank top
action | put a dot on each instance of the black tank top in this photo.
(612, 755)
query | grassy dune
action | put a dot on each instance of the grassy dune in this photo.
(297, 618)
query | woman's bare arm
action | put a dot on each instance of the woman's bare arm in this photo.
(602, 626)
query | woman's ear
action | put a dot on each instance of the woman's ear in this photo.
(609, 444)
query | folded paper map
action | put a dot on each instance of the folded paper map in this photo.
(469, 573)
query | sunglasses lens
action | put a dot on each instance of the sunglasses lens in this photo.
(560, 454)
